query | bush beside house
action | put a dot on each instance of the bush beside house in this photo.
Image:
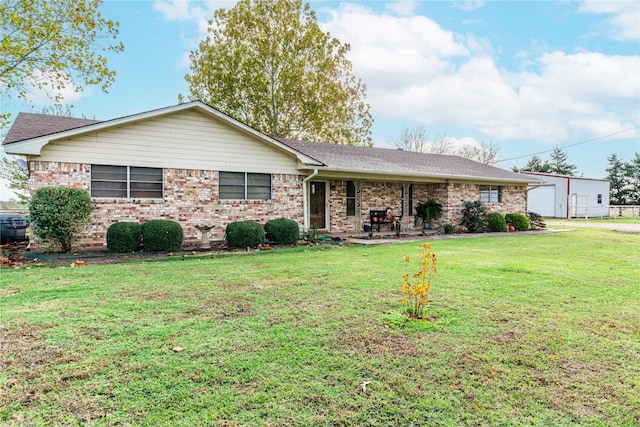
(518, 221)
(162, 235)
(58, 214)
(123, 237)
(242, 234)
(474, 216)
(282, 231)
(496, 222)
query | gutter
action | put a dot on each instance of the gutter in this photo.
(305, 199)
(403, 176)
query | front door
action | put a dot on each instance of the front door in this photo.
(317, 204)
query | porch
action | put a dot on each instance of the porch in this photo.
(383, 236)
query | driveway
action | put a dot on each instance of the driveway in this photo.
(609, 225)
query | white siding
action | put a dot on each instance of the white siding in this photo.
(586, 200)
(183, 140)
(541, 200)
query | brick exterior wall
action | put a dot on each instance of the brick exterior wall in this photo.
(190, 198)
(378, 195)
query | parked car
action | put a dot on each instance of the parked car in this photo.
(13, 228)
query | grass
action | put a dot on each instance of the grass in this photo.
(532, 330)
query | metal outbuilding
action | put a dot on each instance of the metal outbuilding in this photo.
(562, 196)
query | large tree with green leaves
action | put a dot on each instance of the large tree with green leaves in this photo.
(268, 64)
(51, 44)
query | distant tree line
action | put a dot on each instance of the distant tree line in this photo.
(417, 139)
(625, 180)
(557, 164)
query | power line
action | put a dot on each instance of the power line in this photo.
(571, 145)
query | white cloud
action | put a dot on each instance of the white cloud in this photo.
(198, 13)
(624, 16)
(389, 51)
(468, 6)
(51, 88)
(417, 71)
(402, 8)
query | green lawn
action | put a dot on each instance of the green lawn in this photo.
(527, 330)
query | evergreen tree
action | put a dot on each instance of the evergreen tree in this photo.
(633, 174)
(559, 165)
(535, 164)
(617, 174)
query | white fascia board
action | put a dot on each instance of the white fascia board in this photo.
(334, 172)
(30, 147)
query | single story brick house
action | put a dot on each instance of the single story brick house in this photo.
(195, 165)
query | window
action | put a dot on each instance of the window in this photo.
(351, 198)
(490, 194)
(126, 182)
(410, 201)
(599, 199)
(245, 186)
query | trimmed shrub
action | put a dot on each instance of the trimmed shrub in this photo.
(519, 221)
(536, 221)
(474, 216)
(58, 214)
(162, 235)
(282, 231)
(123, 237)
(496, 222)
(449, 228)
(241, 234)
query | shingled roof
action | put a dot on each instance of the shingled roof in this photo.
(30, 125)
(384, 160)
(341, 158)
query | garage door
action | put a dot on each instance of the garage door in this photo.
(542, 200)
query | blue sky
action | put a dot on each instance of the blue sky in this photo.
(524, 75)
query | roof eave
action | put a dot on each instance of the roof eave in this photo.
(438, 177)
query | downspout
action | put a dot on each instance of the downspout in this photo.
(305, 199)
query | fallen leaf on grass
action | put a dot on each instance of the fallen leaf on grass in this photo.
(178, 349)
(78, 263)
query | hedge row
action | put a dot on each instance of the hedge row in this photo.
(476, 219)
(165, 235)
(152, 236)
(242, 234)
